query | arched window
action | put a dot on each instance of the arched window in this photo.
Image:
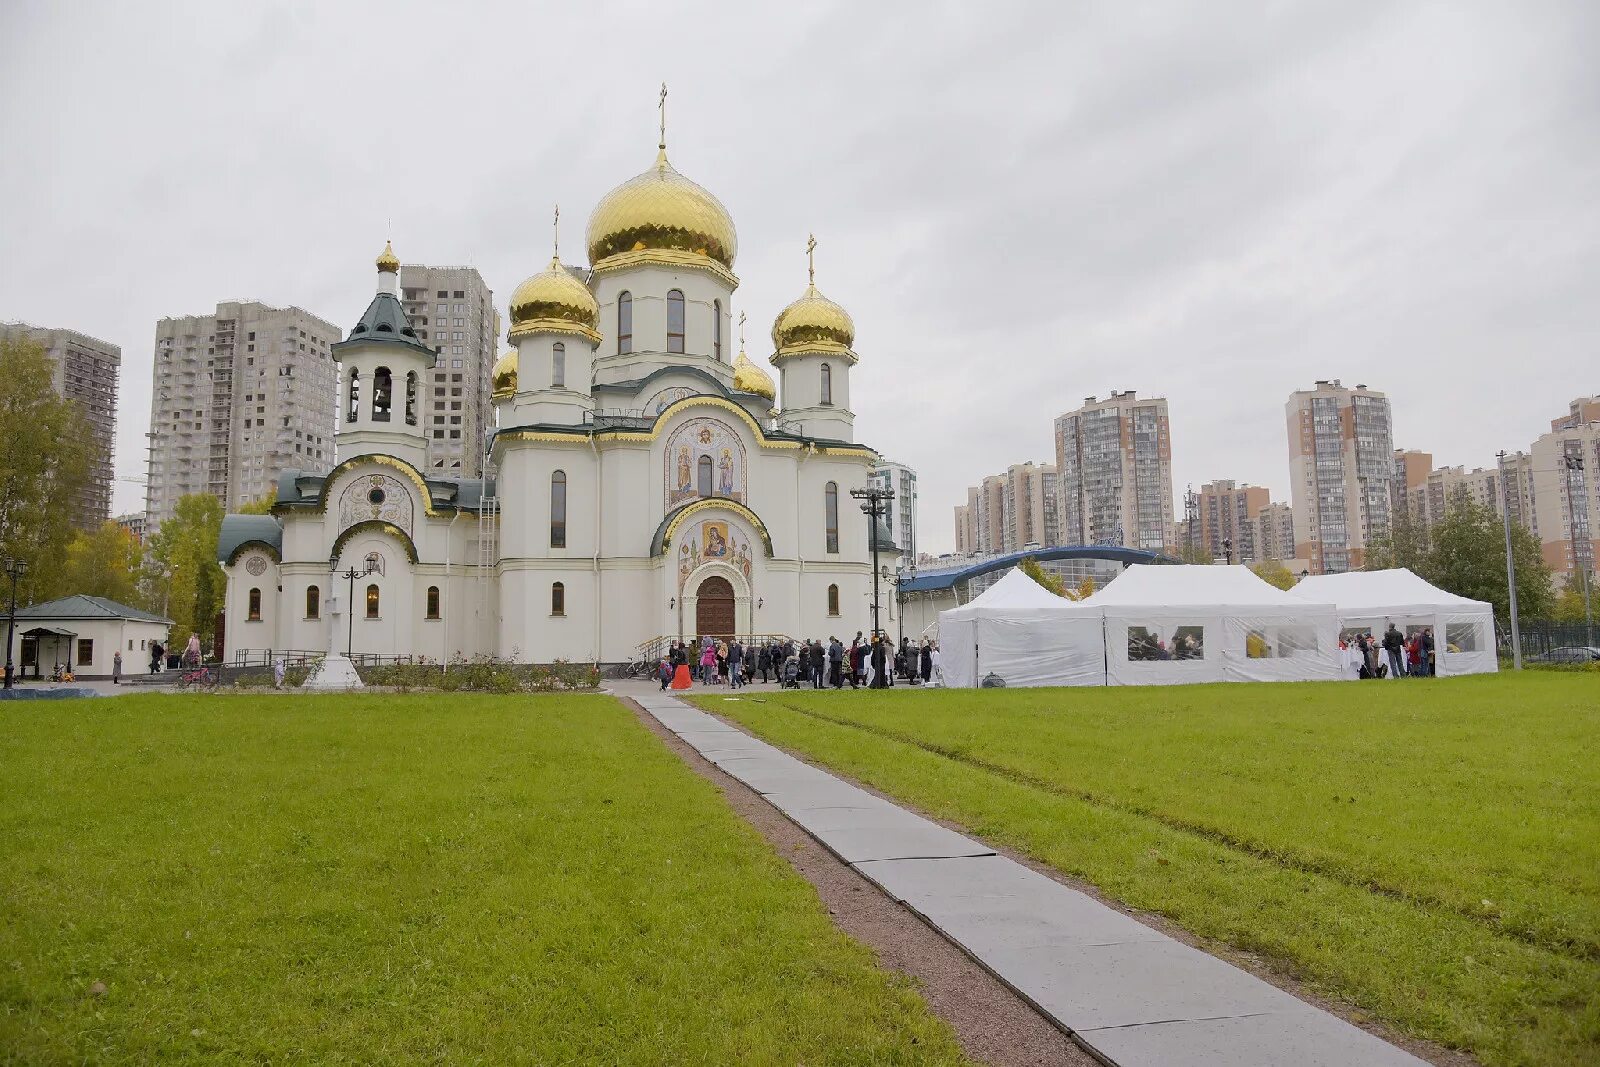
(833, 600)
(675, 321)
(558, 366)
(830, 514)
(381, 388)
(558, 509)
(558, 598)
(355, 395)
(716, 328)
(313, 602)
(372, 601)
(433, 602)
(625, 323)
(255, 606)
(411, 398)
(707, 487)
(827, 384)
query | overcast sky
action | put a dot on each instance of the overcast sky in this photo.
(1021, 205)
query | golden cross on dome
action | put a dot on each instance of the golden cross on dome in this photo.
(663, 106)
(555, 249)
(741, 331)
(811, 258)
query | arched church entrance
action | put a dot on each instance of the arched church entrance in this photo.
(713, 607)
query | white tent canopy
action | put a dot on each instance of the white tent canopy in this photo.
(1022, 633)
(1463, 629)
(1171, 624)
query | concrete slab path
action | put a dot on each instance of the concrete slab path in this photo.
(1129, 994)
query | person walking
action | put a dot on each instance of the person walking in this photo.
(280, 667)
(764, 662)
(1394, 645)
(116, 668)
(879, 673)
(815, 657)
(708, 663)
(735, 663)
(925, 661)
(191, 653)
(938, 669)
(155, 656)
(835, 663)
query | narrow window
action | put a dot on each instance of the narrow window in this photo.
(372, 601)
(830, 508)
(433, 602)
(625, 323)
(381, 386)
(558, 510)
(411, 398)
(704, 472)
(827, 384)
(675, 321)
(85, 651)
(313, 602)
(558, 366)
(558, 598)
(355, 395)
(716, 329)
(255, 606)
(833, 600)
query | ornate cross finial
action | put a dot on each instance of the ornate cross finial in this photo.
(555, 243)
(811, 258)
(741, 331)
(663, 106)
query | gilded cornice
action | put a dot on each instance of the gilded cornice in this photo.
(814, 348)
(666, 257)
(547, 325)
(392, 463)
(675, 519)
(373, 526)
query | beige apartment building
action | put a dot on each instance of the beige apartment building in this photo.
(238, 397)
(1010, 511)
(1341, 468)
(84, 370)
(453, 312)
(1275, 536)
(1566, 502)
(1115, 462)
(1227, 522)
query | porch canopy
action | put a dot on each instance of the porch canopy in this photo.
(1367, 601)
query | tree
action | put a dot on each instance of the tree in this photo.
(1195, 554)
(1274, 573)
(262, 506)
(1404, 544)
(1468, 558)
(185, 548)
(1031, 568)
(1084, 591)
(46, 452)
(1569, 605)
(105, 563)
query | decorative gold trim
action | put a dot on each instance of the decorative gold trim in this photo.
(666, 257)
(373, 526)
(383, 461)
(687, 511)
(233, 557)
(814, 348)
(532, 326)
(542, 437)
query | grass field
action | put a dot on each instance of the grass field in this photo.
(405, 879)
(1429, 852)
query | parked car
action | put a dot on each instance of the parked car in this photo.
(1570, 654)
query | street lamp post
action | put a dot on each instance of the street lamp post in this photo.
(1227, 549)
(1511, 567)
(350, 614)
(873, 498)
(1575, 466)
(14, 569)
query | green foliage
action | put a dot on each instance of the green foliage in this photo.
(185, 548)
(260, 506)
(483, 674)
(1425, 850)
(1569, 605)
(1467, 556)
(1274, 573)
(408, 880)
(1404, 544)
(106, 562)
(1195, 554)
(1031, 568)
(46, 452)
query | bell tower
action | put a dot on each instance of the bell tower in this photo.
(382, 372)
(812, 340)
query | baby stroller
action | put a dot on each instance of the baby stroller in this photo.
(791, 673)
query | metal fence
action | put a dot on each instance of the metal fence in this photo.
(1541, 635)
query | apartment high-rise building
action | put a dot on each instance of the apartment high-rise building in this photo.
(84, 370)
(900, 515)
(1566, 498)
(1008, 512)
(1114, 458)
(134, 523)
(238, 397)
(1275, 533)
(1411, 470)
(1516, 477)
(1341, 468)
(1228, 513)
(453, 312)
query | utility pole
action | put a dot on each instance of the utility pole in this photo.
(1511, 567)
(872, 499)
(1575, 465)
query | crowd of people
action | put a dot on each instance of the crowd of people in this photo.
(865, 663)
(1394, 656)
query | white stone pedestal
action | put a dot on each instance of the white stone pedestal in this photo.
(336, 671)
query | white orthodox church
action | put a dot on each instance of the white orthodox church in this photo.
(643, 480)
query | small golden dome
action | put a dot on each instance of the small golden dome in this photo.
(661, 209)
(505, 375)
(554, 300)
(749, 378)
(388, 261)
(813, 324)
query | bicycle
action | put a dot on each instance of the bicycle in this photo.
(199, 677)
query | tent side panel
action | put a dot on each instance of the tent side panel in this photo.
(1031, 651)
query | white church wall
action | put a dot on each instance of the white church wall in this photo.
(649, 285)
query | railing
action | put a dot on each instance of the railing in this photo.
(266, 657)
(655, 649)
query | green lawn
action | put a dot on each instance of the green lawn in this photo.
(1429, 851)
(403, 879)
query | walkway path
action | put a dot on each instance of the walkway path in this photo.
(1129, 994)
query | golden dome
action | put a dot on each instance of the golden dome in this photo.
(813, 324)
(505, 374)
(553, 300)
(661, 209)
(749, 378)
(388, 261)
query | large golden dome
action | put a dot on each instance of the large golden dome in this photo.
(749, 378)
(813, 324)
(661, 210)
(505, 374)
(554, 301)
